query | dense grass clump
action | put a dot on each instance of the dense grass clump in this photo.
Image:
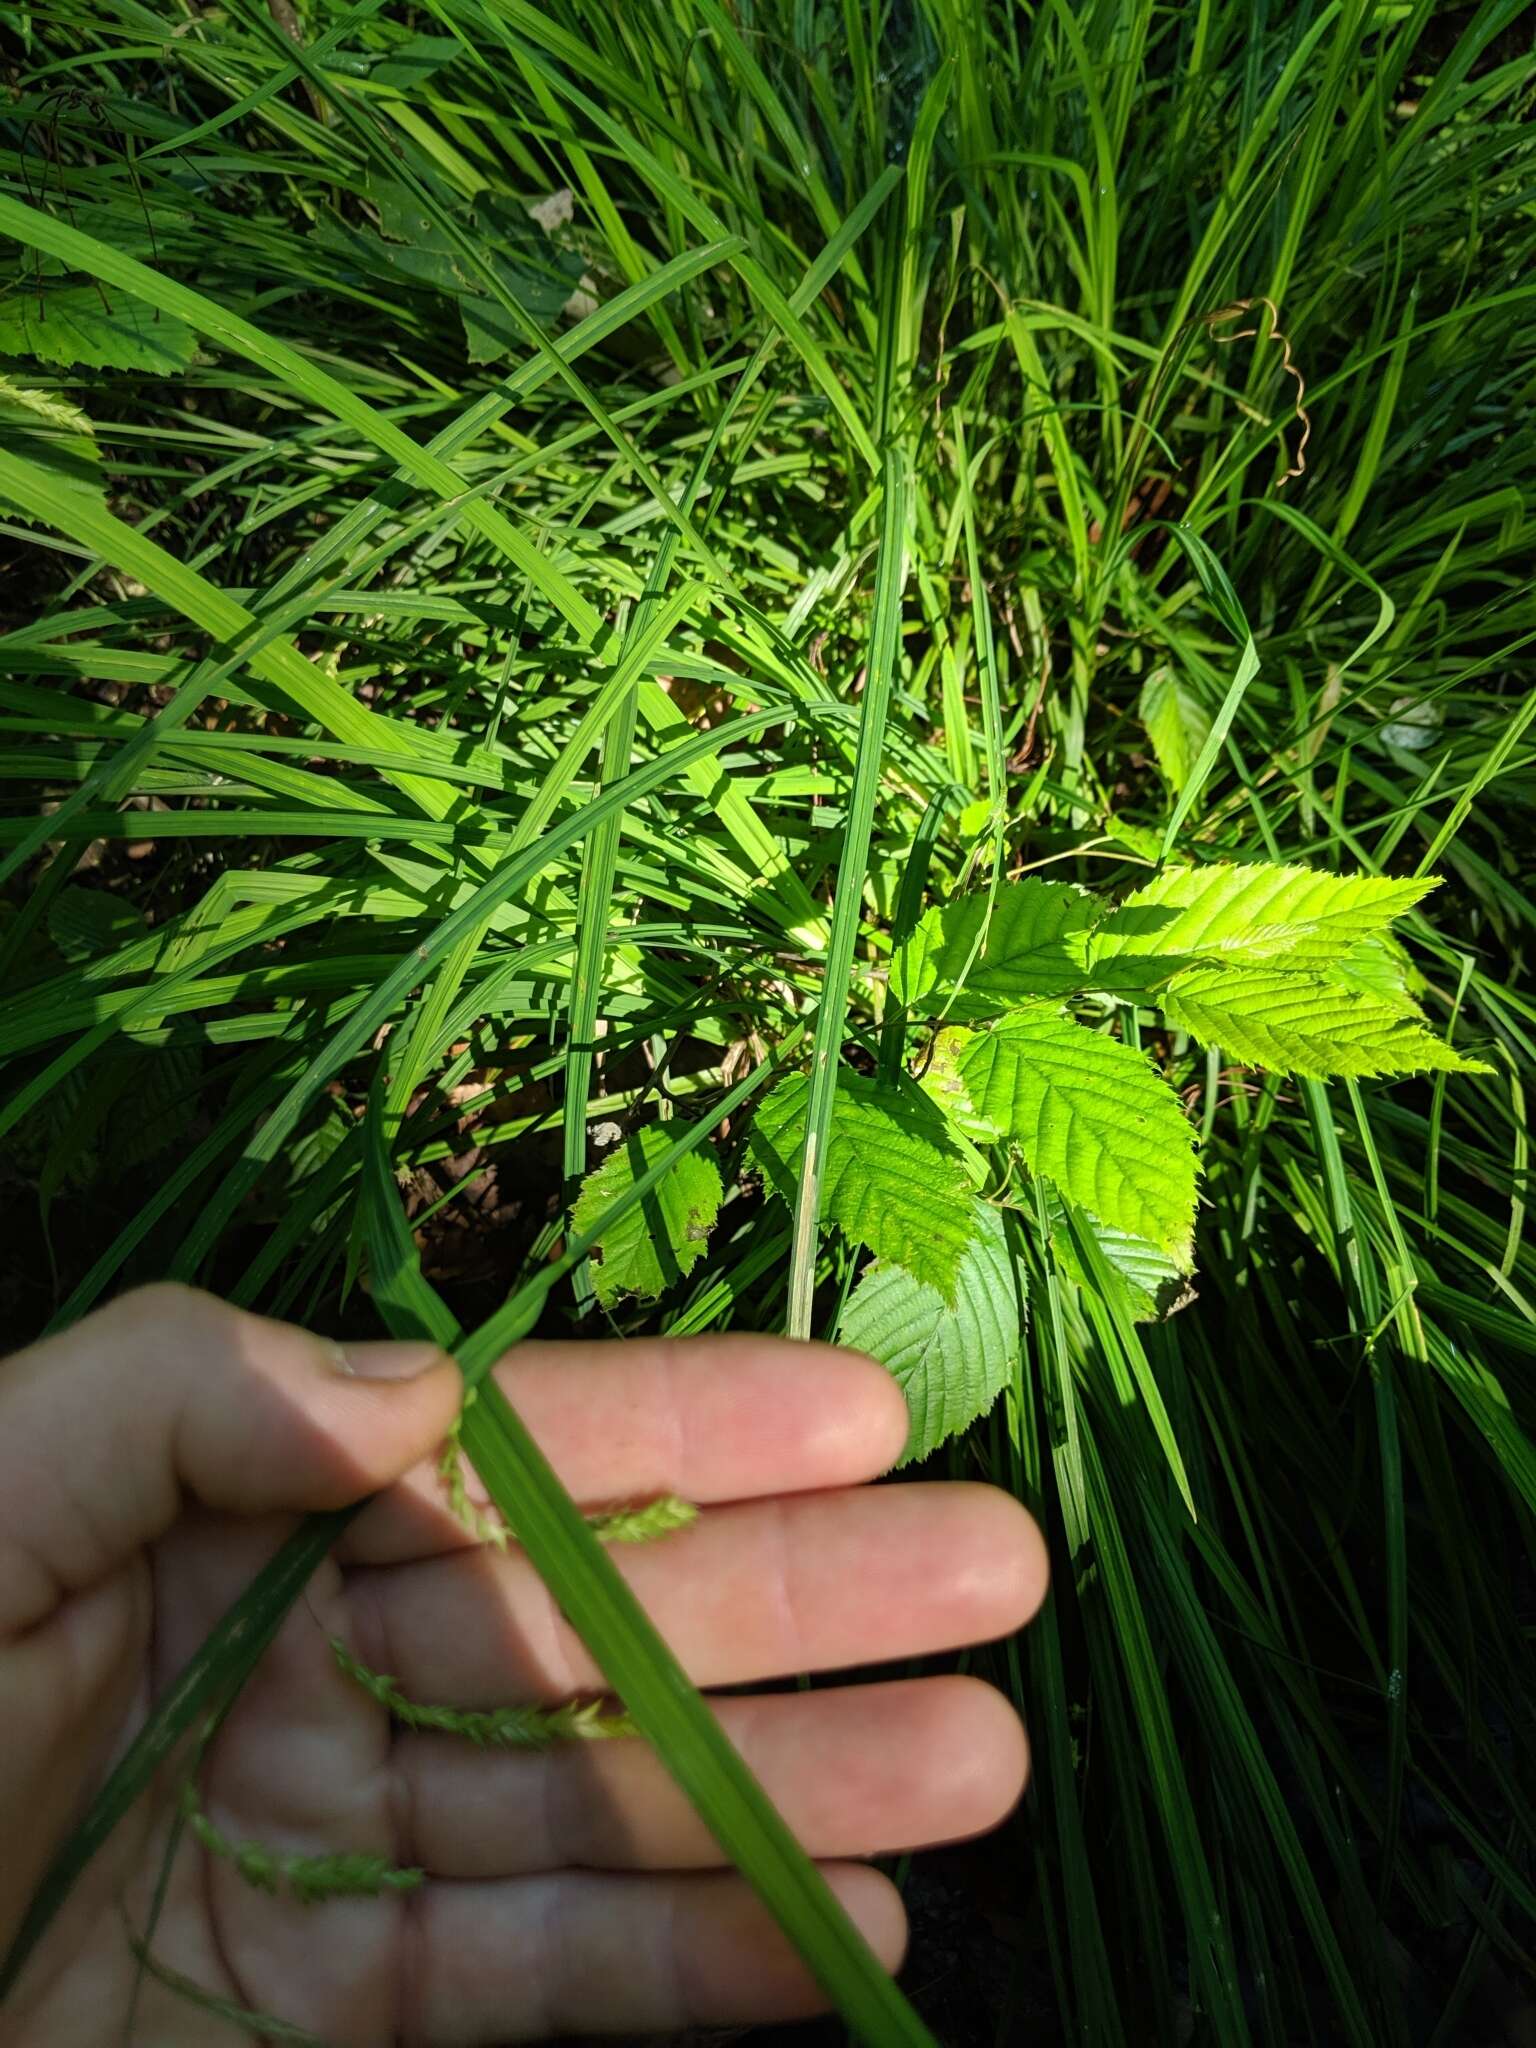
(539, 538)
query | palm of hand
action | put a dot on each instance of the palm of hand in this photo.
(569, 1888)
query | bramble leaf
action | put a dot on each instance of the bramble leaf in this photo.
(541, 289)
(659, 1239)
(1177, 724)
(86, 923)
(1309, 1024)
(1381, 965)
(940, 1079)
(1094, 1116)
(79, 324)
(1025, 950)
(951, 1362)
(1255, 912)
(892, 1178)
(1155, 1283)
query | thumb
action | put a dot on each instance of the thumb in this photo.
(170, 1395)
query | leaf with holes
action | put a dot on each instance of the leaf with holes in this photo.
(892, 1179)
(941, 1079)
(664, 1235)
(542, 287)
(1308, 1024)
(950, 1359)
(1091, 1114)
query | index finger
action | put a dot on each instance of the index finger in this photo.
(709, 1418)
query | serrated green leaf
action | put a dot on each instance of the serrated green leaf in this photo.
(73, 1158)
(371, 255)
(541, 289)
(893, 1179)
(1094, 1116)
(1026, 949)
(156, 1107)
(657, 1242)
(1257, 912)
(1382, 966)
(1138, 839)
(1177, 724)
(942, 1080)
(403, 218)
(412, 63)
(1308, 1024)
(85, 924)
(106, 331)
(1154, 1282)
(311, 1150)
(950, 1361)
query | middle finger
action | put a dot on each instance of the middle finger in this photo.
(749, 1592)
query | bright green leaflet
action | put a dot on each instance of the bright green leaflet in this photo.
(891, 1179)
(1031, 945)
(657, 1242)
(950, 1359)
(1307, 1024)
(1256, 912)
(1177, 724)
(1092, 1115)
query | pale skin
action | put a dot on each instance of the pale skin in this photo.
(154, 1456)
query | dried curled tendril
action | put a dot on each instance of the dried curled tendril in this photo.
(1235, 311)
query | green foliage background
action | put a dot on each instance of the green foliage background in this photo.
(575, 470)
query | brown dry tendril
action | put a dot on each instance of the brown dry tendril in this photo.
(1235, 311)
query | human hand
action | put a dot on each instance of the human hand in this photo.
(151, 1460)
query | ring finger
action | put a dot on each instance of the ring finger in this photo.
(856, 1771)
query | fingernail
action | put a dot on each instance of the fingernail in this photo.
(384, 1361)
